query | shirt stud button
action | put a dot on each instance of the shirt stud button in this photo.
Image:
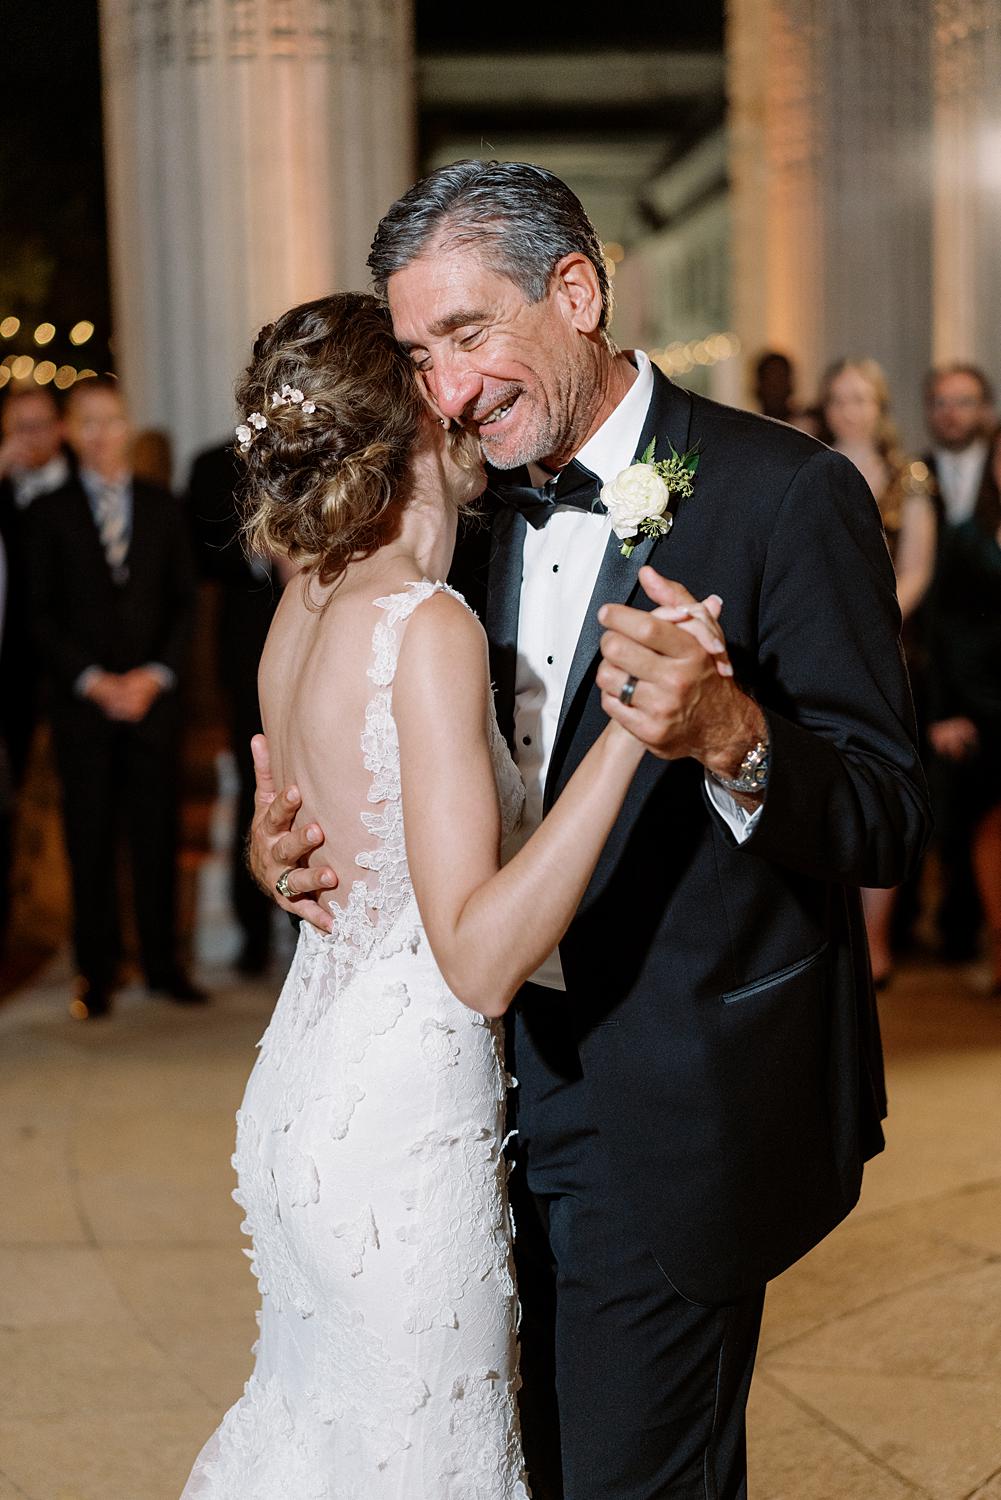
(549, 659)
(556, 567)
(526, 739)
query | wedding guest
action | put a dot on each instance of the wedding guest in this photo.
(959, 408)
(34, 461)
(774, 383)
(248, 593)
(965, 613)
(855, 403)
(6, 790)
(774, 391)
(112, 594)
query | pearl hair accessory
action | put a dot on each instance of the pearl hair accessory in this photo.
(256, 422)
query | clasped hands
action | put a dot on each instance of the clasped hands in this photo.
(126, 697)
(685, 703)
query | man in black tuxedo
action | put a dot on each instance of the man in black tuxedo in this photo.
(112, 596)
(699, 1068)
(248, 594)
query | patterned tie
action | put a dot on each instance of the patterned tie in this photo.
(574, 486)
(112, 526)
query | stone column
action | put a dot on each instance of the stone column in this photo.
(967, 181)
(831, 142)
(251, 147)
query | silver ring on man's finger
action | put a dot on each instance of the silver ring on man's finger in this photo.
(282, 886)
(627, 690)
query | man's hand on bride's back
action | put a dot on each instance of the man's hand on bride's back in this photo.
(274, 846)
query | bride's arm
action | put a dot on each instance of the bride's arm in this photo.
(489, 928)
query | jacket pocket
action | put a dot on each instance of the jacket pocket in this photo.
(778, 976)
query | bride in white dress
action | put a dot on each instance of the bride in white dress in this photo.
(369, 1141)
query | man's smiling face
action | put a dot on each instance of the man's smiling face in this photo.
(516, 372)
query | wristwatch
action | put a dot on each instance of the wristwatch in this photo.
(752, 775)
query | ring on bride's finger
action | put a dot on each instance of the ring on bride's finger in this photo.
(282, 886)
(627, 690)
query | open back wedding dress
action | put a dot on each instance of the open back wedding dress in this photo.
(369, 1159)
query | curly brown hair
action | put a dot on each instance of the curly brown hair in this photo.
(328, 484)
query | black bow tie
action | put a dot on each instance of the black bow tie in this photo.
(574, 486)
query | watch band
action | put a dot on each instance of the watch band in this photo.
(752, 775)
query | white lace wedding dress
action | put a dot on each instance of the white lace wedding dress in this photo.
(369, 1162)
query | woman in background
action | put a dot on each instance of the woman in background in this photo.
(855, 402)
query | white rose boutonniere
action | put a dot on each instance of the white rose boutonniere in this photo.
(637, 499)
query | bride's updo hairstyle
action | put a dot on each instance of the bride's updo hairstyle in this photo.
(331, 411)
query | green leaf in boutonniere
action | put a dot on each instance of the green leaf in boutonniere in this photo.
(637, 499)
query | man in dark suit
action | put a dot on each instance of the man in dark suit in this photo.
(112, 594)
(248, 593)
(33, 462)
(700, 1077)
(959, 410)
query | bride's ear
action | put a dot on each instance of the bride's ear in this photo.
(433, 406)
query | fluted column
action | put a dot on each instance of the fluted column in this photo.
(967, 180)
(831, 145)
(251, 147)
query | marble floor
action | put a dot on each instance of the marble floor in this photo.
(127, 1305)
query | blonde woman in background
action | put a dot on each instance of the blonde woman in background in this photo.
(855, 403)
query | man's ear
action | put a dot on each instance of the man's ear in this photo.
(575, 283)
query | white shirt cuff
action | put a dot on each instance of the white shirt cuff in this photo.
(739, 821)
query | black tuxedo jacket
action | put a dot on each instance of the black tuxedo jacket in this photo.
(80, 616)
(727, 1026)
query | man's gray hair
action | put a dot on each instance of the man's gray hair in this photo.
(521, 218)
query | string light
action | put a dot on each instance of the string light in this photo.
(81, 332)
(9, 327)
(4, 375)
(45, 333)
(86, 374)
(22, 367)
(679, 358)
(44, 371)
(64, 377)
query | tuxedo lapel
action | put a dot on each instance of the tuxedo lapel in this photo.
(80, 518)
(668, 420)
(139, 553)
(503, 599)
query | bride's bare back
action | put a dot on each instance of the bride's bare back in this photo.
(315, 689)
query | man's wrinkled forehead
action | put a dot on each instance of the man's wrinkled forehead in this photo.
(449, 285)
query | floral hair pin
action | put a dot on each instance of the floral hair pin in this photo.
(257, 421)
(289, 396)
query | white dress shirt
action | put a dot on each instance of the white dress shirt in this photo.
(960, 475)
(560, 566)
(29, 484)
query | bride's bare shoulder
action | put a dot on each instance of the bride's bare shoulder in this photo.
(444, 642)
